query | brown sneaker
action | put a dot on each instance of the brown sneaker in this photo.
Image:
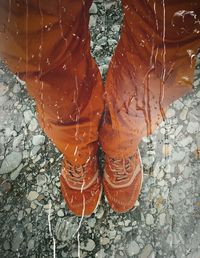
(122, 182)
(81, 186)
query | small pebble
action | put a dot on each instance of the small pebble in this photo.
(31, 244)
(60, 213)
(5, 187)
(3, 89)
(17, 140)
(2, 72)
(183, 114)
(132, 248)
(185, 141)
(193, 127)
(91, 222)
(178, 105)
(6, 245)
(16, 88)
(100, 212)
(17, 241)
(162, 219)
(93, 9)
(20, 215)
(28, 115)
(178, 156)
(92, 21)
(170, 113)
(33, 125)
(11, 162)
(38, 140)
(105, 241)
(149, 219)
(147, 252)
(32, 195)
(89, 246)
(167, 150)
(16, 172)
(41, 179)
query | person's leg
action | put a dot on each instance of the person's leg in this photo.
(47, 44)
(152, 66)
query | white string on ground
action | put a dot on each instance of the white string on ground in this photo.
(79, 245)
(79, 226)
(50, 230)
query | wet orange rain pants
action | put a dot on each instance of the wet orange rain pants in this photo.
(47, 44)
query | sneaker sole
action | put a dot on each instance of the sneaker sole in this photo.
(95, 209)
(142, 177)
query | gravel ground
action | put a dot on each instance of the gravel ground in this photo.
(33, 219)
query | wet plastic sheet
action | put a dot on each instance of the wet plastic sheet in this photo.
(34, 219)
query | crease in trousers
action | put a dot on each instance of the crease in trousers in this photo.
(47, 44)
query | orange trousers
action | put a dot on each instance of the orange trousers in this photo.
(47, 43)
